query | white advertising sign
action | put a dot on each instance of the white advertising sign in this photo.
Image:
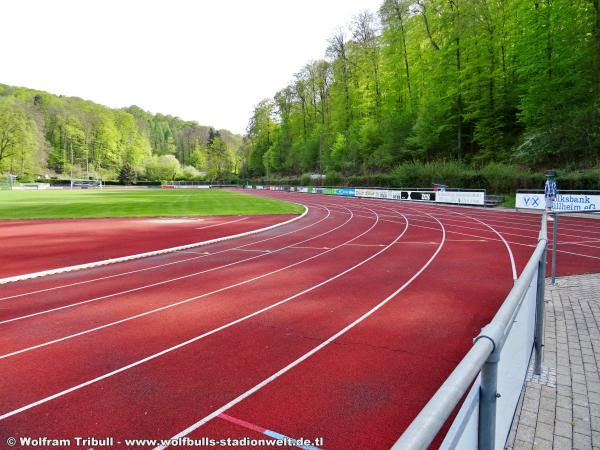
(563, 202)
(369, 193)
(466, 197)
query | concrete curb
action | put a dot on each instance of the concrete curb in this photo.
(106, 262)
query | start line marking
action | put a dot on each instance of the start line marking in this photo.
(222, 223)
(262, 430)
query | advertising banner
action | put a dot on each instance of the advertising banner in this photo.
(346, 192)
(422, 196)
(460, 198)
(368, 193)
(563, 202)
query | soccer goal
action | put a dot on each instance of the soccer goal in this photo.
(86, 184)
(7, 182)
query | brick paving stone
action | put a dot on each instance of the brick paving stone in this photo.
(560, 408)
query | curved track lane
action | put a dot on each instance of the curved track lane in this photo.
(340, 325)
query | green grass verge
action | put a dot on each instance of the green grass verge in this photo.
(509, 201)
(136, 203)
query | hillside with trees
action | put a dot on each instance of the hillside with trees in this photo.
(471, 82)
(46, 134)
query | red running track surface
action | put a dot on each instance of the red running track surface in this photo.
(28, 246)
(340, 325)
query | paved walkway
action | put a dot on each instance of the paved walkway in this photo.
(560, 409)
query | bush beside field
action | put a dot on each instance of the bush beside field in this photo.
(495, 178)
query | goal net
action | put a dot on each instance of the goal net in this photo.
(7, 182)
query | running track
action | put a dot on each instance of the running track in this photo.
(29, 246)
(340, 325)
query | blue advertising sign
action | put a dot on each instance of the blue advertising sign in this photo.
(348, 192)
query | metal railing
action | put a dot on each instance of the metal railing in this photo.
(483, 359)
(555, 215)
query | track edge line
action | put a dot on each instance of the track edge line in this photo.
(106, 262)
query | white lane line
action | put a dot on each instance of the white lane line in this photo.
(187, 300)
(251, 250)
(223, 223)
(577, 243)
(163, 251)
(514, 228)
(313, 248)
(506, 244)
(308, 354)
(164, 264)
(510, 242)
(576, 254)
(160, 283)
(197, 338)
(194, 253)
(497, 216)
(367, 245)
(580, 242)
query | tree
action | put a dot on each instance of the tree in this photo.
(127, 174)
(19, 138)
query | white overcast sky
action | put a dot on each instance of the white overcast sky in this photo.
(209, 61)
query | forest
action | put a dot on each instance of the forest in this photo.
(472, 83)
(42, 134)
(450, 89)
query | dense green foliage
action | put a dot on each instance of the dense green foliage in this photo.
(496, 178)
(473, 81)
(136, 203)
(44, 133)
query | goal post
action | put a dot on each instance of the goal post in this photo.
(7, 182)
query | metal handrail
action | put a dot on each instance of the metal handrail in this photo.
(483, 356)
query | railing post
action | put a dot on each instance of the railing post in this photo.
(488, 395)
(554, 238)
(539, 314)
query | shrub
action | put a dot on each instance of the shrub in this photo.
(333, 178)
(305, 179)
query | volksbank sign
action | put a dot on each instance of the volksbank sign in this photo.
(563, 202)
(569, 202)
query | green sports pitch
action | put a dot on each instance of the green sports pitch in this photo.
(50, 204)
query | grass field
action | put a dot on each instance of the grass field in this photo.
(135, 203)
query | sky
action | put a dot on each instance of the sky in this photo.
(209, 61)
